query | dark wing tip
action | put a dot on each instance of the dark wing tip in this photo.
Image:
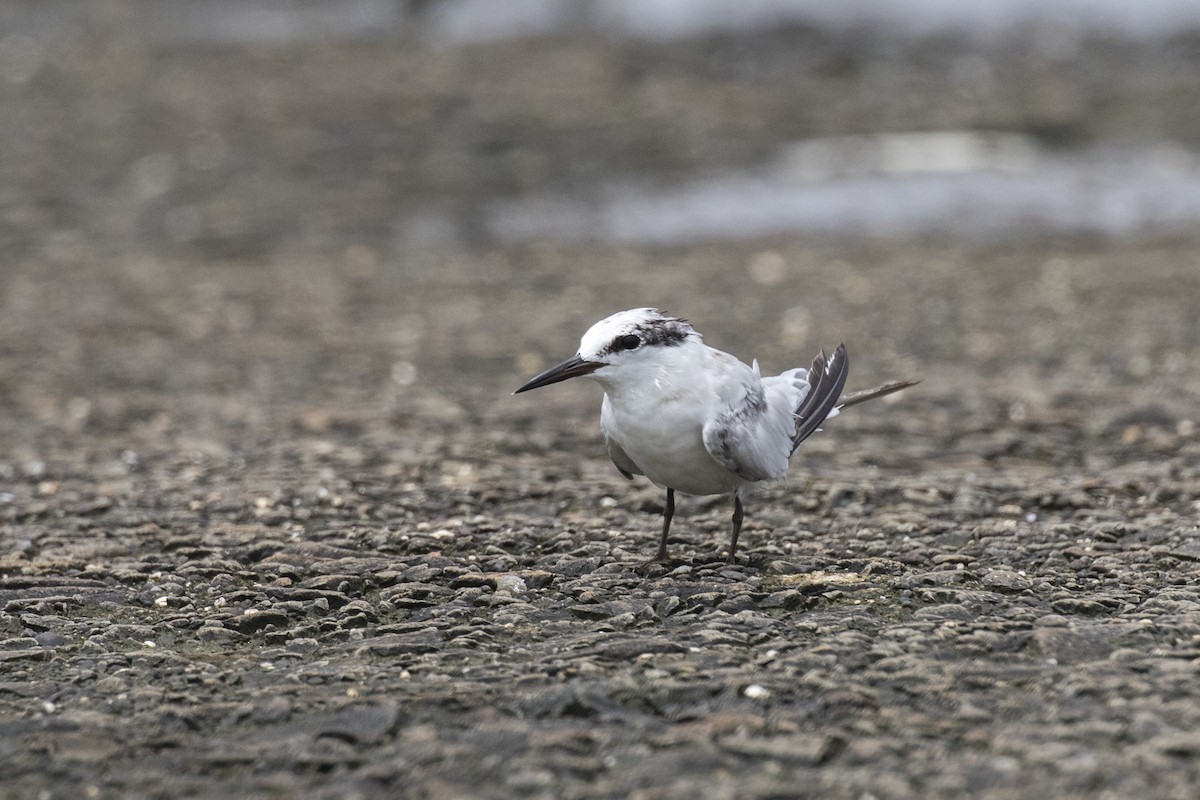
(829, 379)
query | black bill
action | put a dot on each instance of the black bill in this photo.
(571, 368)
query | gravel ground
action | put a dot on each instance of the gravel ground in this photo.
(272, 525)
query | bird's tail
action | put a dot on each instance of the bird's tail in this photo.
(824, 398)
(826, 381)
(862, 396)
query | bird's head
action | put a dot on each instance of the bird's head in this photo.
(624, 342)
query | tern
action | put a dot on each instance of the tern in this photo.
(697, 420)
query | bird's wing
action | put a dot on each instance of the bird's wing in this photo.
(756, 435)
(828, 378)
(619, 457)
(752, 436)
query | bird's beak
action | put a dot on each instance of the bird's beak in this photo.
(571, 368)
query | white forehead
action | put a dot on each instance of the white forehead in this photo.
(653, 328)
(600, 335)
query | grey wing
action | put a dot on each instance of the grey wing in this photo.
(753, 437)
(619, 457)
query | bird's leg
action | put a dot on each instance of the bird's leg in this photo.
(668, 513)
(737, 527)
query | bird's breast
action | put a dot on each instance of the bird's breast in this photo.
(663, 435)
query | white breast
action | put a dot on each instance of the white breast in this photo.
(658, 420)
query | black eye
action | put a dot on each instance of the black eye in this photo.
(628, 342)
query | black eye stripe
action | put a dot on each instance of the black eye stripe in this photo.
(661, 332)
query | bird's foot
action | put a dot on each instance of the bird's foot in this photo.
(661, 559)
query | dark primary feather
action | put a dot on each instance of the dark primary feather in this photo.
(828, 380)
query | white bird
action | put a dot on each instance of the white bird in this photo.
(694, 419)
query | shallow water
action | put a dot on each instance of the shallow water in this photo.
(523, 169)
(957, 183)
(480, 20)
(457, 22)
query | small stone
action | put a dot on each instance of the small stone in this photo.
(51, 639)
(512, 584)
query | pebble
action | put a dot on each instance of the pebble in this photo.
(512, 584)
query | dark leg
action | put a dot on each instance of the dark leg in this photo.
(737, 527)
(661, 556)
(668, 513)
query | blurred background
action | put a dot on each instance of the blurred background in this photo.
(254, 218)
